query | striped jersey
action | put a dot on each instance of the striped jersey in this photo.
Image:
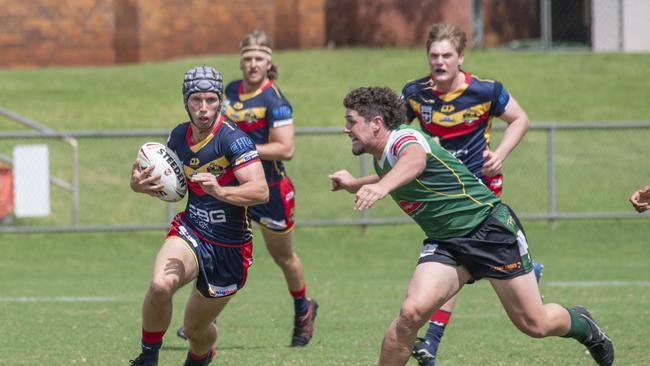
(221, 153)
(462, 118)
(446, 200)
(256, 113)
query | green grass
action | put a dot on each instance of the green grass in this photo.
(358, 279)
(571, 86)
(596, 169)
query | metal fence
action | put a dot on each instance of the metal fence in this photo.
(559, 171)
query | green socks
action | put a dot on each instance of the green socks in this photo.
(580, 329)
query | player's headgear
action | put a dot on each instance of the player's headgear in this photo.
(202, 79)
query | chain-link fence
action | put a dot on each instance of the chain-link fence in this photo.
(558, 171)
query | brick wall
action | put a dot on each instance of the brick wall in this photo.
(98, 32)
(55, 32)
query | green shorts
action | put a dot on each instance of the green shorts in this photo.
(496, 249)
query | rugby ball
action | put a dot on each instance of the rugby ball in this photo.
(168, 166)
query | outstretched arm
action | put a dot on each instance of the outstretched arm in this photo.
(342, 179)
(640, 199)
(410, 164)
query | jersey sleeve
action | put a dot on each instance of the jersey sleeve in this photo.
(500, 99)
(404, 96)
(175, 137)
(402, 138)
(279, 113)
(240, 149)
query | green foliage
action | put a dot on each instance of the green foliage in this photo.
(359, 279)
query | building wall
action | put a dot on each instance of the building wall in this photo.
(391, 22)
(56, 32)
(100, 32)
(636, 28)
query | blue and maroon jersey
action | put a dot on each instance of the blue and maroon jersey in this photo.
(462, 118)
(224, 151)
(256, 113)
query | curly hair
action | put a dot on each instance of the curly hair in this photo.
(375, 101)
(451, 32)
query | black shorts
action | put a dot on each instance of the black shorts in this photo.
(496, 249)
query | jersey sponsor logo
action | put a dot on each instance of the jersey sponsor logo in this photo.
(447, 108)
(195, 162)
(250, 117)
(503, 97)
(470, 117)
(459, 153)
(273, 224)
(246, 157)
(215, 169)
(241, 144)
(425, 112)
(220, 291)
(428, 249)
(282, 112)
(410, 207)
(289, 196)
(206, 217)
(507, 267)
(187, 236)
(238, 105)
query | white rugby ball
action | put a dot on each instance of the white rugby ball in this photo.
(168, 166)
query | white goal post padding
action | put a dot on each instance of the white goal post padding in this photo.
(31, 180)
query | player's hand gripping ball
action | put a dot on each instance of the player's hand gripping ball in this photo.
(168, 166)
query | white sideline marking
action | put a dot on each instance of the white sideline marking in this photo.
(57, 299)
(608, 283)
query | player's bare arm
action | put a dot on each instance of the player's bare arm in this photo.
(518, 122)
(280, 145)
(410, 164)
(252, 188)
(142, 181)
(342, 179)
(640, 199)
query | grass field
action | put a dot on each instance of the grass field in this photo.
(74, 299)
(552, 87)
(358, 279)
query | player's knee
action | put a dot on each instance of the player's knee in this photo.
(533, 328)
(161, 290)
(194, 332)
(284, 259)
(409, 319)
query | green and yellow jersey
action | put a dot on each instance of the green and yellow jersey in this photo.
(446, 200)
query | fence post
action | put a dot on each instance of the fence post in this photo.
(552, 202)
(365, 215)
(547, 27)
(74, 179)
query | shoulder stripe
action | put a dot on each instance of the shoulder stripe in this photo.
(397, 146)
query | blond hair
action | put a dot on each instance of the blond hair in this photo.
(260, 38)
(451, 32)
